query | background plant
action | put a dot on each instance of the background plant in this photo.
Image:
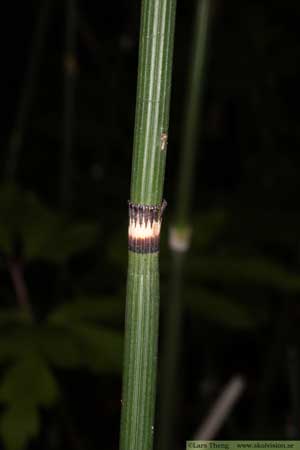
(247, 177)
(70, 335)
(180, 232)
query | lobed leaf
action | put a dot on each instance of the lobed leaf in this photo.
(45, 234)
(93, 309)
(18, 425)
(26, 385)
(17, 342)
(208, 226)
(239, 270)
(225, 311)
(69, 240)
(103, 348)
(29, 382)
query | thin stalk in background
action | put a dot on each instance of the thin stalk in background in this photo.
(271, 369)
(70, 72)
(193, 108)
(221, 409)
(293, 381)
(65, 180)
(15, 269)
(282, 357)
(179, 240)
(28, 92)
(145, 215)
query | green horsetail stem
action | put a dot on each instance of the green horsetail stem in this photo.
(180, 232)
(145, 215)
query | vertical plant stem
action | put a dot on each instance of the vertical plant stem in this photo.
(221, 409)
(27, 94)
(145, 215)
(169, 392)
(70, 71)
(15, 269)
(193, 107)
(65, 180)
(179, 240)
(293, 379)
(89, 39)
(272, 366)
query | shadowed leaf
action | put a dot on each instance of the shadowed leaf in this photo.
(218, 308)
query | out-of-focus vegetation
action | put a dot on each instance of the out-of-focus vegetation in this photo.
(61, 355)
(77, 332)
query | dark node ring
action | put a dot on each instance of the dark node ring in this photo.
(139, 208)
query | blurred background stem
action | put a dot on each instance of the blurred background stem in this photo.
(66, 172)
(28, 91)
(15, 269)
(70, 72)
(192, 120)
(293, 379)
(179, 239)
(275, 354)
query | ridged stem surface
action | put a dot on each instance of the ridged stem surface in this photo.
(153, 100)
(142, 312)
(147, 180)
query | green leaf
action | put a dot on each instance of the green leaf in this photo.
(26, 385)
(73, 337)
(93, 309)
(65, 343)
(49, 236)
(18, 425)
(38, 228)
(5, 238)
(29, 382)
(61, 348)
(208, 226)
(17, 342)
(45, 234)
(265, 226)
(118, 248)
(79, 344)
(239, 270)
(61, 241)
(218, 308)
(13, 316)
(103, 348)
(76, 238)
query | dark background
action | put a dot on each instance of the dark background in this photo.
(247, 176)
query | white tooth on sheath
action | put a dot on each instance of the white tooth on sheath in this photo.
(137, 230)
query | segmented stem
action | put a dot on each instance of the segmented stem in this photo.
(145, 215)
(139, 380)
